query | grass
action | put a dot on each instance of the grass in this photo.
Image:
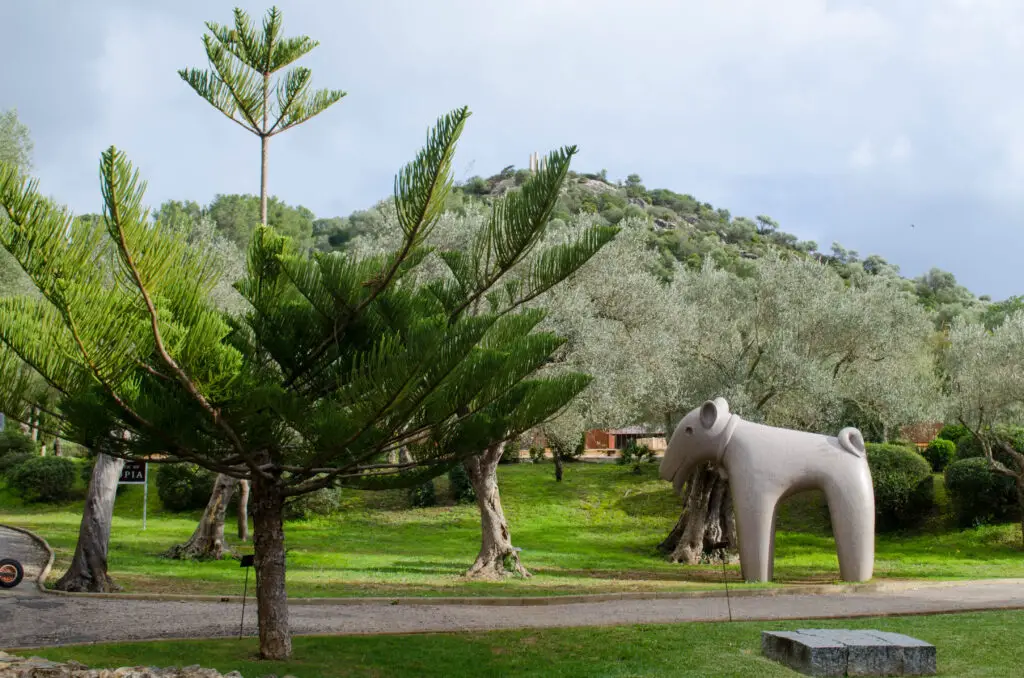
(977, 645)
(594, 532)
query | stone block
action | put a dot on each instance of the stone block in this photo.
(842, 652)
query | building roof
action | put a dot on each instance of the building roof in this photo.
(634, 431)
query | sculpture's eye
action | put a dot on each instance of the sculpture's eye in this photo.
(689, 430)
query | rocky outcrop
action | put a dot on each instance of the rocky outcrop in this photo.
(12, 666)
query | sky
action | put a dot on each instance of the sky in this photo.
(845, 121)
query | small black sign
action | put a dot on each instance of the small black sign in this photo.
(248, 561)
(133, 473)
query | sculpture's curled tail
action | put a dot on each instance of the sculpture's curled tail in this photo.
(851, 440)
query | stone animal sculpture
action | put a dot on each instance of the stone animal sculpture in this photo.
(765, 465)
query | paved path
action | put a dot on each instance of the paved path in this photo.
(29, 619)
(29, 553)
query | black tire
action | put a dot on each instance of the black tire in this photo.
(11, 573)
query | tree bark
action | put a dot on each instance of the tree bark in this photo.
(497, 557)
(707, 519)
(243, 510)
(271, 596)
(88, 571)
(557, 456)
(58, 448)
(207, 542)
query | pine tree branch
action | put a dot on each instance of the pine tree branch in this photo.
(113, 200)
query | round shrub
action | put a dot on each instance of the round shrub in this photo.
(510, 455)
(978, 495)
(939, 453)
(184, 487)
(968, 447)
(953, 432)
(904, 490)
(43, 478)
(323, 502)
(14, 442)
(11, 461)
(459, 485)
(423, 495)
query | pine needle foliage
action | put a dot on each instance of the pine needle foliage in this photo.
(243, 58)
(339, 361)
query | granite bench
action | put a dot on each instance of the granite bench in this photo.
(841, 652)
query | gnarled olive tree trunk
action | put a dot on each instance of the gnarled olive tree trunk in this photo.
(207, 542)
(497, 557)
(707, 519)
(88, 571)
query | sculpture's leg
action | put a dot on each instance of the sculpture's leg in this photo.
(771, 542)
(754, 515)
(852, 509)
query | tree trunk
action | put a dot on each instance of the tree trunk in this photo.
(3, 422)
(207, 542)
(34, 431)
(707, 519)
(88, 571)
(271, 596)
(557, 456)
(243, 510)
(497, 557)
(58, 448)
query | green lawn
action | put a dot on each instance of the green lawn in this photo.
(594, 532)
(969, 646)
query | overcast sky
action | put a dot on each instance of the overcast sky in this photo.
(844, 120)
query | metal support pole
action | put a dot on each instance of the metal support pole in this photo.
(245, 591)
(145, 495)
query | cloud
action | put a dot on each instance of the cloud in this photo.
(882, 105)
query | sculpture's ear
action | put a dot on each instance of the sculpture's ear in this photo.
(723, 406)
(709, 414)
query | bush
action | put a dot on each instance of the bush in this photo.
(43, 478)
(459, 486)
(510, 455)
(323, 502)
(184, 487)
(968, 447)
(636, 455)
(536, 454)
(939, 453)
(978, 495)
(11, 461)
(953, 432)
(904, 489)
(14, 442)
(423, 495)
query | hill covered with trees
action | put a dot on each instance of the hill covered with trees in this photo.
(682, 228)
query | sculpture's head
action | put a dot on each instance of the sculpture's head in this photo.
(699, 438)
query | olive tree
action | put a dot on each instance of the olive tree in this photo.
(986, 388)
(789, 345)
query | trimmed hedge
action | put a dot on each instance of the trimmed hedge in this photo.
(44, 479)
(978, 495)
(323, 502)
(14, 442)
(184, 487)
(953, 432)
(13, 460)
(459, 485)
(939, 453)
(903, 484)
(423, 495)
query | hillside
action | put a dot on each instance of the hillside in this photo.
(682, 228)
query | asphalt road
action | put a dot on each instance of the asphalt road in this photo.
(29, 618)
